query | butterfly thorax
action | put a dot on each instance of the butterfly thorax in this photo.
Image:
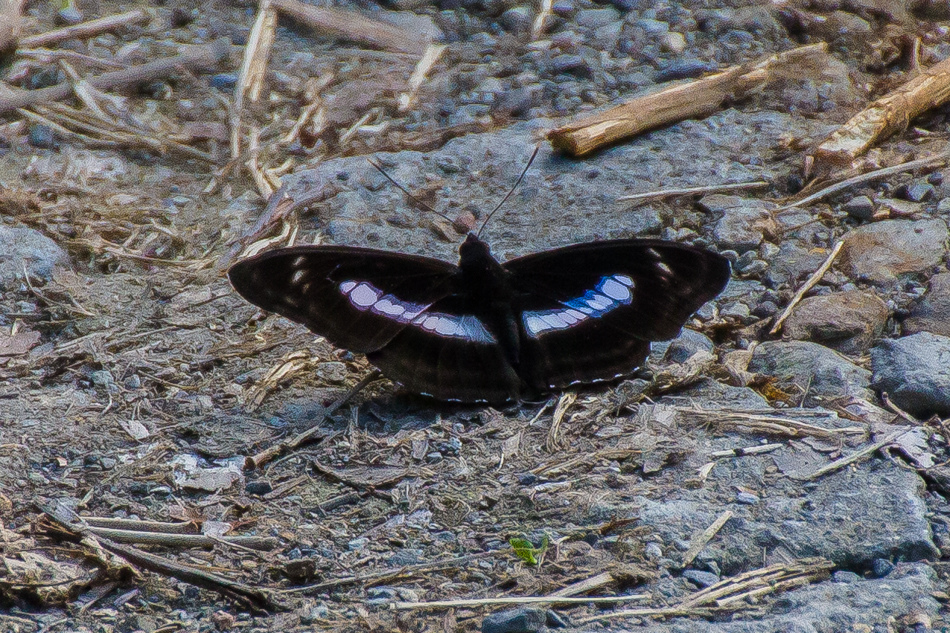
(488, 293)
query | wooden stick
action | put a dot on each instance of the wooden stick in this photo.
(85, 29)
(183, 540)
(253, 67)
(261, 458)
(889, 114)
(481, 602)
(354, 26)
(205, 56)
(703, 539)
(245, 594)
(683, 101)
(850, 459)
(930, 161)
(814, 279)
(687, 191)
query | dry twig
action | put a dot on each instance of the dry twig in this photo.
(693, 99)
(889, 114)
(703, 539)
(85, 30)
(814, 279)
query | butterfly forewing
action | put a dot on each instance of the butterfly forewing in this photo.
(589, 311)
(356, 298)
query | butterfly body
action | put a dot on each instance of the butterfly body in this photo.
(485, 331)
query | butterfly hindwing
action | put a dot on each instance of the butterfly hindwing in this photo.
(589, 311)
(356, 298)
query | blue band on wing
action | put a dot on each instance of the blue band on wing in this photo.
(366, 297)
(609, 293)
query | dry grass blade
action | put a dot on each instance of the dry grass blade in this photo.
(253, 68)
(703, 539)
(489, 602)
(814, 279)
(85, 30)
(553, 442)
(429, 59)
(690, 191)
(763, 423)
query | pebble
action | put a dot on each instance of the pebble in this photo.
(883, 251)
(920, 192)
(42, 136)
(357, 544)
(574, 64)
(845, 321)
(521, 620)
(860, 207)
(800, 365)
(700, 578)
(742, 223)
(596, 18)
(915, 373)
(333, 372)
(517, 19)
(881, 567)
(653, 550)
(845, 577)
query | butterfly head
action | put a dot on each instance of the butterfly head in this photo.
(473, 251)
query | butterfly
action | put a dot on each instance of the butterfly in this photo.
(486, 331)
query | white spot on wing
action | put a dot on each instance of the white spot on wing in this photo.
(608, 294)
(298, 276)
(347, 287)
(615, 290)
(364, 295)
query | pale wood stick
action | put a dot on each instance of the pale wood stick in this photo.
(583, 586)
(814, 279)
(85, 29)
(353, 26)
(183, 540)
(747, 450)
(889, 114)
(683, 101)
(429, 59)
(850, 459)
(930, 161)
(703, 539)
(253, 66)
(686, 191)
(205, 56)
(480, 602)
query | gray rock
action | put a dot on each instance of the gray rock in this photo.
(574, 64)
(517, 19)
(793, 263)
(711, 394)
(932, 314)
(811, 369)
(915, 373)
(845, 321)
(682, 347)
(860, 207)
(832, 607)
(883, 251)
(920, 192)
(743, 223)
(521, 620)
(700, 578)
(27, 248)
(596, 18)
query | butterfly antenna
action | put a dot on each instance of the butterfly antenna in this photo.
(408, 195)
(511, 191)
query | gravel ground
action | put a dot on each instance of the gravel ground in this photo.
(134, 384)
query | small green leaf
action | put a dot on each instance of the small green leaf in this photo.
(526, 551)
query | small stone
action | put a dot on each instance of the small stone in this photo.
(103, 378)
(746, 498)
(357, 544)
(574, 64)
(596, 18)
(765, 309)
(683, 69)
(258, 488)
(42, 136)
(333, 372)
(517, 19)
(860, 207)
(700, 578)
(920, 192)
(224, 81)
(652, 27)
(736, 310)
(845, 577)
(653, 550)
(673, 42)
(743, 222)
(25, 248)
(944, 206)
(881, 567)
(522, 620)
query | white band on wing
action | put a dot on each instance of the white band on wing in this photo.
(610, 293)
(366, 297)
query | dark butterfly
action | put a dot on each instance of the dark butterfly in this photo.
(484, 331)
